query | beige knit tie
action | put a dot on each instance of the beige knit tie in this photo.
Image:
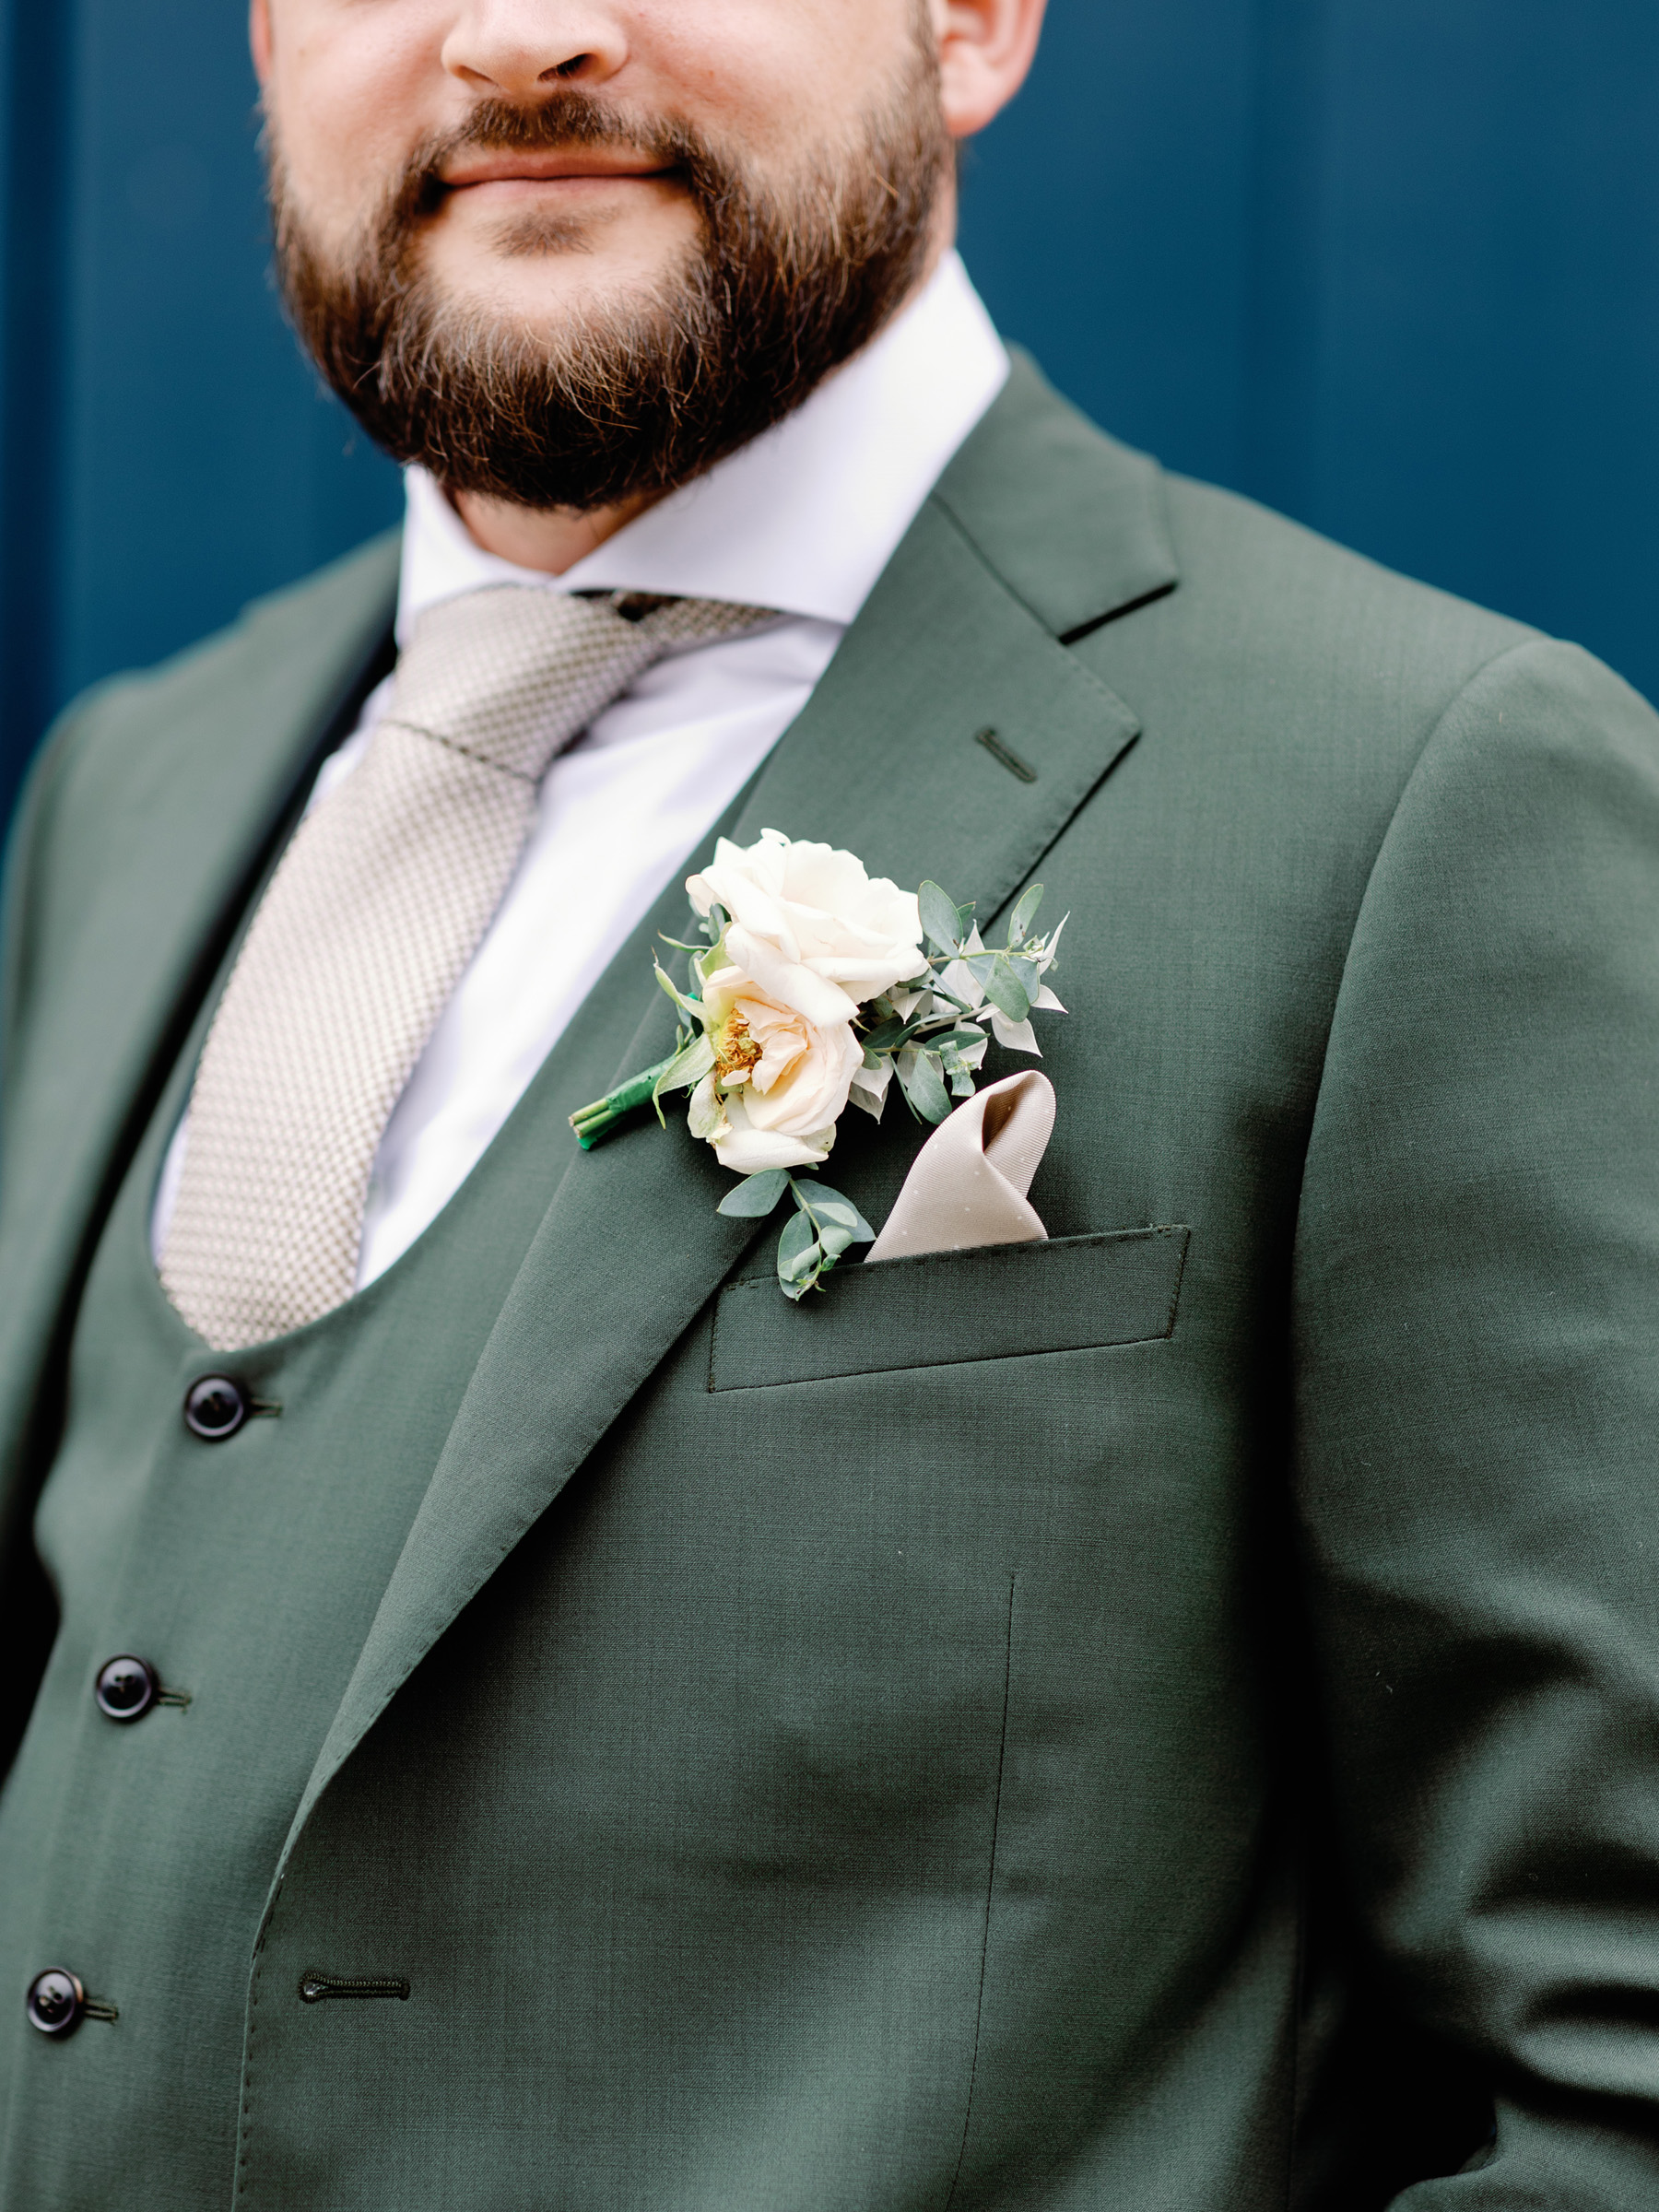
(370, 919)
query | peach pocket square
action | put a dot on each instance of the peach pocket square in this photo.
(968, 1183)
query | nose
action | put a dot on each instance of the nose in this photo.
(512, 49)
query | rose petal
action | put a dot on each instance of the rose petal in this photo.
(747, 1151)
(813, 995)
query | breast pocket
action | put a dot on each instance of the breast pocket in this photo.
(999, 1302)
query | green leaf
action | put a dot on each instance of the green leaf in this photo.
(1005, 990)
(705, 1113)
(687, 1068)
(1024, 914)
(889, 1036)
(923, 1081)
(939, 1040)
(1026, 973)
(828, 1206)
(956, 1067)
(940, 918)
(756, 1195)
(686, 1005)
(799, 1256)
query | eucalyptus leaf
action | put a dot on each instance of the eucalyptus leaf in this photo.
(923, 1081)
(940, 918)
(1027, 974)
(937, 1040)
(799, 1255)
(1024, 914)
(1005, 992)
(887, 1037)
(826, 1204)
(756, 1195)
(960, 1075)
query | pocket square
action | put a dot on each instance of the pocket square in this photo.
(967, 1184)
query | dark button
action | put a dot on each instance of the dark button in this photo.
(58, 2003)
(127, 1688)
(215, 1408)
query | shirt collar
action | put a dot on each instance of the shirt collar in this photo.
(805, 517)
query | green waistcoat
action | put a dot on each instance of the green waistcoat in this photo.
(247, 1571)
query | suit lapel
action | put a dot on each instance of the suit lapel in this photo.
(885, 759)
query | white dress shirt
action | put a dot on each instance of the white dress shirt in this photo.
(803, 519)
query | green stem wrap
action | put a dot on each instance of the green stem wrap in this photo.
(593, 1124)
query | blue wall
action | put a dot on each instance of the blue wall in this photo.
(1390, 264)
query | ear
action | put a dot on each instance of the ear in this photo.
(985, 49)
(259, 39)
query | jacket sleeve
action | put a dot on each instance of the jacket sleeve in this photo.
(1476, 1341)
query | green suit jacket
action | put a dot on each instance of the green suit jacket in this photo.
(1169, 1718)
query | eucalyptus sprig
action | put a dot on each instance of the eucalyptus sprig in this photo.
(932, 1031)
(823, 1226)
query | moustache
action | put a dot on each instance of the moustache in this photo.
(566, 120)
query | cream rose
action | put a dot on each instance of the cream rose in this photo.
(811, 929)
(779, 1081)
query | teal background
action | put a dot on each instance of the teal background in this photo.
(1390, 264)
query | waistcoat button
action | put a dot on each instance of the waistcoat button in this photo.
(214, 1407)
(56, 2002)
(127, 1688)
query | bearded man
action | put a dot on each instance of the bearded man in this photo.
(512, 1709)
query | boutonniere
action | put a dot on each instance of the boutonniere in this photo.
(817, 987)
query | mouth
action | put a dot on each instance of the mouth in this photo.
(573, 173)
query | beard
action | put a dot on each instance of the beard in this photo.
(636, 396)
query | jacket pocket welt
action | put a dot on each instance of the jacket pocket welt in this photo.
(999, 1302)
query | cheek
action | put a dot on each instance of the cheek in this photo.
(775, 78)
(352, 90)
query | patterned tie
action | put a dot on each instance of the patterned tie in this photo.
(370, 919)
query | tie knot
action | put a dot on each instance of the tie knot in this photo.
(511, 673)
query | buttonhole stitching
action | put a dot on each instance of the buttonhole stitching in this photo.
(314, 1987)
(1005, 755)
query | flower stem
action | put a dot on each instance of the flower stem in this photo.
(592, 1123)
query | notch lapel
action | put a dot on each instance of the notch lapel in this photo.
(886, 760)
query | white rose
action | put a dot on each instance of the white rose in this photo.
(779, 1082)
(809, 926)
